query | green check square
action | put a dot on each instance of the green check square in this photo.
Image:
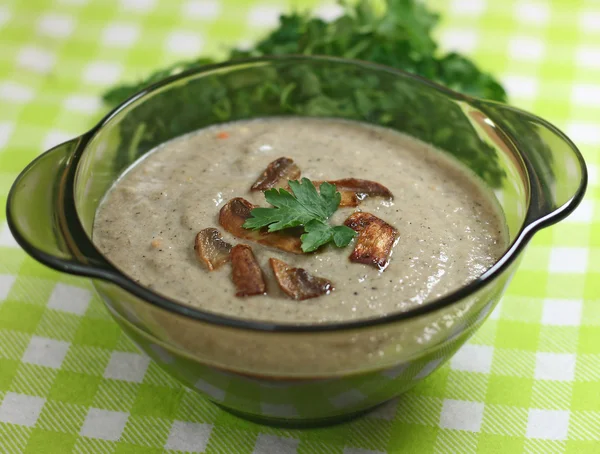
(58, 325)
(589, 336)
(34, 269)
(581, 447)
(456, 389)
(523, 309)
(499, 444)
(315, 447)
(226, 439)
(75, 388)
(19, 316)
(31, 290)
(592, 286)
(411, 438)
(157, 401)
(514, 391)
(8, 370)
(155, 430)
(585, 396)
(49, 442)
(528, 283)
(97, 333)
(519, 335)
(129, 448)
(569, 234)
(551, 394)
(116, 395)
(434, 385)
(567, 285)
(558, 339)
(195, 408)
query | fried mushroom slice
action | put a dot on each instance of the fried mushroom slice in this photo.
(211, 249)
(235, 212)
(376, 238)
(355, 190)
(277, 175)
(298, 283)
(246, 273)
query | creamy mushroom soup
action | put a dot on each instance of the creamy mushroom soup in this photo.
(441, 227)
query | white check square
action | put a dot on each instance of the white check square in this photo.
(470, 8)
(588, 57)
(525, 48)
(562, 312)
(347, 399)
(5, 15)
(102, 73)
(590, 21)
(120, 35)
(459, 40)
(185, 43)
(6, 130)
(21, 409)
(6, 238)
(202, 9)
(519, 86)
(104, 424)
(264, 16)
(278, 410)
(6, 283)
(473, 358)
(329, 12)
(584, 213)
(461, 415)
(583, 133)
(46, 352)
(54, 138)
(82, 103)
(56, 25)
(586, 95)
(554, 366)
(36, 59)
(270, 444)
(532, 12)
(127, 367)
(568, 260)
(211, 390)
(138, 5)
(188, 437)
(69, 299)
(547, 424)
(15, 92)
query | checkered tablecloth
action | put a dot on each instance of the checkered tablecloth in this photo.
(70, 381)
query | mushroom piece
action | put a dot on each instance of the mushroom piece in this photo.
(235, 212)
(355, 190)
(376, 238)
(246, 273)
(298, 283)
(211, 249)
(277, 175)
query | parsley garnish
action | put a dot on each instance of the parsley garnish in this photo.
(307, 207)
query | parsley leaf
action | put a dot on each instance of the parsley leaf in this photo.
(307, 207)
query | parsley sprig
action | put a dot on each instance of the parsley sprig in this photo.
(307, 207)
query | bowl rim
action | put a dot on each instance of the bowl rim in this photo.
(108, 272)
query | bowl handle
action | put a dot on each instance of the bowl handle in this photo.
(557, 171)
(36, 215)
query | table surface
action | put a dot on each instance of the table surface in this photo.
(70, 381)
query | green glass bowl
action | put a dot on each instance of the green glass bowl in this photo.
(285, 373)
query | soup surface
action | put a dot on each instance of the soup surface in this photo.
(450, 228)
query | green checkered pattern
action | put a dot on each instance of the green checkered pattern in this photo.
(70, 381)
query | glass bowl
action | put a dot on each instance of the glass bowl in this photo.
(287, 374)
